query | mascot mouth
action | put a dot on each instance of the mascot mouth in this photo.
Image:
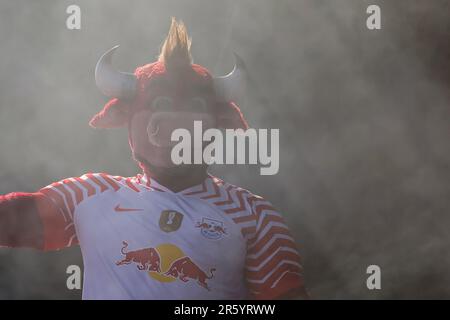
(171, 171)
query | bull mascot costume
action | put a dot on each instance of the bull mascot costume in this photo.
(173, 231)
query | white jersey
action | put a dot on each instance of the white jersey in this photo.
(140, 240)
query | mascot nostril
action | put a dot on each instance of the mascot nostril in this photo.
(152, 131)
(162, 125)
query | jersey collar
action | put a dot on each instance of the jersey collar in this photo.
(152, 183)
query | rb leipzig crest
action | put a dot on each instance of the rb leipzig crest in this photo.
(211, 229)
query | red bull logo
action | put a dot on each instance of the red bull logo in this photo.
(146, 259)
(166, 263)
(211, 229)
(184, 269)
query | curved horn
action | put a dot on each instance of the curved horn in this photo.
(111, 82)
(232, 86)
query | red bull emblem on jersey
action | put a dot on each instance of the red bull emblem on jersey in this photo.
(166, 263)
(146, 258)
(185, 269)
(211, 229)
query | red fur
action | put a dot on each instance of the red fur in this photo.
(114, 114)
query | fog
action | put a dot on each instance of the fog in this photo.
(363, 117)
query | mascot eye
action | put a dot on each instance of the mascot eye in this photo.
(162, 103)
(197, 104)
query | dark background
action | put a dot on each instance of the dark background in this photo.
(363, 118)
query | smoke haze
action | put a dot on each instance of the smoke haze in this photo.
(363, 117)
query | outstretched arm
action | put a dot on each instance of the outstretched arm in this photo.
(20, 222)
(40, 220)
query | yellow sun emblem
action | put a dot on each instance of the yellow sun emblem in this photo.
(168, 254)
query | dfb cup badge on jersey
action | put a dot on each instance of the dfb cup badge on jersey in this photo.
(211, 229)
(170, 220)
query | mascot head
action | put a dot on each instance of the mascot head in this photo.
(165, 95)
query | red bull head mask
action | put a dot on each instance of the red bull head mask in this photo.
(165, 95)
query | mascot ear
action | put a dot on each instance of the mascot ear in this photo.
(229, 116)
(114, 114)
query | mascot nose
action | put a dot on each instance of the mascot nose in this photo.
(162, 124)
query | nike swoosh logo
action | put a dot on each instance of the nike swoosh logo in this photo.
(118, 208)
